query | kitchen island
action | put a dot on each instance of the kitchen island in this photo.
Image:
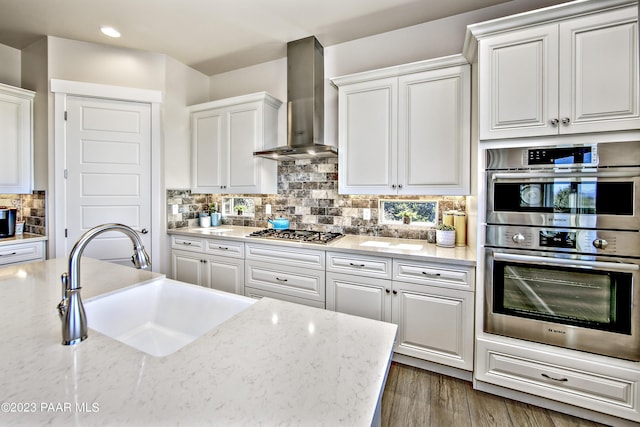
(276, 363)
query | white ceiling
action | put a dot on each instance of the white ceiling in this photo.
(214, 36)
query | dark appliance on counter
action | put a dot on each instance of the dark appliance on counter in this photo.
(562, 247)
(7, 221)
(319, 237)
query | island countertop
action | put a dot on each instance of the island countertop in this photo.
(276, 363)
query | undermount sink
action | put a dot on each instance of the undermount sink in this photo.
(403, 246)
(212, 230)
(162, 316)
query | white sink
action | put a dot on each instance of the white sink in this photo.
(212, 230)
(161, 316)
(374, 244)
(403, 246)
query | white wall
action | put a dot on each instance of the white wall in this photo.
(34, 77)
(9, 66)
(424, 41)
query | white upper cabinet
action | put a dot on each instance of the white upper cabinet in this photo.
(406, 129)
(575, 75)
(224, 136)
(16, 138)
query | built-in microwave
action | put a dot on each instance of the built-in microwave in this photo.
(585, 186)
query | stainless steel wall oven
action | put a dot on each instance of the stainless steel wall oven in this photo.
(563, 246)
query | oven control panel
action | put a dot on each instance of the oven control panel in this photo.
(584, 241)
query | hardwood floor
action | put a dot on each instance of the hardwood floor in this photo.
(414, 397)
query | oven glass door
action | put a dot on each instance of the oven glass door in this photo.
(582, 197)
(586, 297)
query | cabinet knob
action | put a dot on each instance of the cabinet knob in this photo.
(566, 121)
(395, 292)
(144, 231)
(399, 186)
(393, 186)
(554, 122)
(388, 291)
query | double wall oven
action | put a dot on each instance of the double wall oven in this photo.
(562, 247)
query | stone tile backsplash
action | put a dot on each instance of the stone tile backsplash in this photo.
(308, 197)
(31, 210)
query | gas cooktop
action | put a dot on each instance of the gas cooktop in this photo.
(319, 237)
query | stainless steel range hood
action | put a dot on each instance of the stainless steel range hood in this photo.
(305, 104)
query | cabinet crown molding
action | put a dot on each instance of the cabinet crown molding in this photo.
(546, 15)
(17, 91)
(252, 97)
(400, 70)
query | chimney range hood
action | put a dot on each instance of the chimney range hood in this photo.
(305, 104)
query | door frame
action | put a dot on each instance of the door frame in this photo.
(57, 154)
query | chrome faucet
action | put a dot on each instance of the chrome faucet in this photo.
(70, 309)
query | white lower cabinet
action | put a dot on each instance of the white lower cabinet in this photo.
(288, 273)
(217, 264)
(19, 253)
(432, 304)
(593, 382)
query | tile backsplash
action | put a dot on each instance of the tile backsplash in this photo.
(308, 197)
(31, 210)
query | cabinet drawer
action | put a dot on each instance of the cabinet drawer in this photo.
(221, 247)
(597, 383)
(434, 274)
(187, 243)
(294, 256)
(291, 281)
(569, 380)
(21, 252)
(362, 265)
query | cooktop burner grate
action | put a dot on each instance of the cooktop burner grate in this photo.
(306, 236)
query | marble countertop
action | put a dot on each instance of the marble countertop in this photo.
(21, 238)
(419, 250)
(276, 363)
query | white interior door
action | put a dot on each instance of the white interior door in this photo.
(108, 169)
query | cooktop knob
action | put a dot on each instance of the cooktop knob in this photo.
(518, 238)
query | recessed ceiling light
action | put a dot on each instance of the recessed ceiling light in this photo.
(110, 31)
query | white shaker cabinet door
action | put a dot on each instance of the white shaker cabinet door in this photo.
(434, 324)
(16, 138)
(359, 296)
(518, 88)
(368, 137)
(599, 73)
(209, 150)
(434, 128)
(188, 267)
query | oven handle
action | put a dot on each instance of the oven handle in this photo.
(573, 174)
(566, 262)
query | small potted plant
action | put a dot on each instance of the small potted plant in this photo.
(215, 215)
(240, 209)
(407, 215)
(446, 236)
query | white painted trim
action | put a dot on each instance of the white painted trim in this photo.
(399, 70)
(64, 88)
(535, 17)
(105, 91)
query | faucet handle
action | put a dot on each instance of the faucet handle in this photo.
(62, 305)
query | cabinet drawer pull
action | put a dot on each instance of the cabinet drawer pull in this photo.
(12, 253)
(223, 248)
(431, 274)
(281, 280)
(186, 243)
(561, 380)
(356, 265)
